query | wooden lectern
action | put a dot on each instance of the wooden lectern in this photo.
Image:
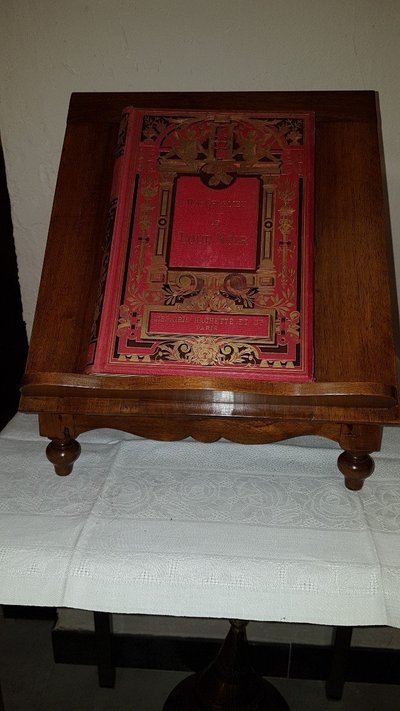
(354, 393)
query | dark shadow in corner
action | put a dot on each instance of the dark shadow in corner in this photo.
(13, 339)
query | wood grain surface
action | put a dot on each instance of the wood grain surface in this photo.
(355, 320)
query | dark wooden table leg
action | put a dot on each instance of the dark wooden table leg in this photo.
(356, 467)
(62, 453)
(229, 683)
(340, 654)
(1, 701)
(355, 462)
(103, 637)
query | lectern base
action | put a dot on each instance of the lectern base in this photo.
(185, 697)
(228, 684)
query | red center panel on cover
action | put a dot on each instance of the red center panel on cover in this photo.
(215, 231)
(207, 267)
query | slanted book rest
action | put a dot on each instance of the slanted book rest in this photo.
(208, 261)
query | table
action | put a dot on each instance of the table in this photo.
(354, 393)
(188, 529)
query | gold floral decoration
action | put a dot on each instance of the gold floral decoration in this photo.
(208, 351)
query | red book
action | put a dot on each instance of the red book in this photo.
(209, 270)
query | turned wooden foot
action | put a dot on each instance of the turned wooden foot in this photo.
(62, 453)
(356, 467)
(228, 684)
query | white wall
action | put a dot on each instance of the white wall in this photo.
(50, 48)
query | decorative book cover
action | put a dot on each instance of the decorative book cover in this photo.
(208, 270)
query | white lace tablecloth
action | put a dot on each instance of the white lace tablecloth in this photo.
(261, 532)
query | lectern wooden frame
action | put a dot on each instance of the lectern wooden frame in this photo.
(355, 309)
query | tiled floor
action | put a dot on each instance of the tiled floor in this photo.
(32, 682)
